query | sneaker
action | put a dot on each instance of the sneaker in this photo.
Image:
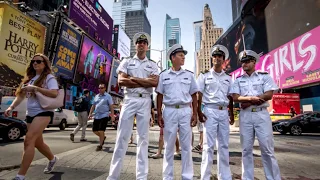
(177, 153)
(72, 137)
(18, 178)
(84, 139)
(50, 165)
(99, 148)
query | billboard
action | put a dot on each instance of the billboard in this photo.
(293, 64)
(92, 58)
(282, 103)
(124, 43)
(64, 62)
(93, 19)
(21, 38)
(114, 87)
(253, 28)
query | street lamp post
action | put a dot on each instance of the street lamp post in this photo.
(161, 68)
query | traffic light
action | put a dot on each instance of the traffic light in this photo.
(101, 69)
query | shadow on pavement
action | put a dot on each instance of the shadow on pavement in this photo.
(56, 175)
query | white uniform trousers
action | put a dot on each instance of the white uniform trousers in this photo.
(216, 129)
(258, 123)
(141, 107)
(174, 120)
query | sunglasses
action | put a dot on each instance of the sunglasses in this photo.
(101, 87)
(37, 61)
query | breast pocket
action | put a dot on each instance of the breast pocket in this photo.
(185, 85)
(258, 88)
(244, 88)
(225, 87)
(148, 71)
(211, 86)
(168, 86)
(132, 70)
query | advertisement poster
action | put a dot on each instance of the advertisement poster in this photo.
(253, 28)
(21, 38)
(122, 42)
(93, 19)
(67, 50)
(113, 85)
(92, 57)
(282, 103)
(293, 64)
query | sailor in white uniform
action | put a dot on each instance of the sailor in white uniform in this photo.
(214, 94)
(253, 90)
(177, 90)
(138, 76)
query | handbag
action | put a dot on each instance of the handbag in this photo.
(49, 103)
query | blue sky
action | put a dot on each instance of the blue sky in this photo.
(188, 11)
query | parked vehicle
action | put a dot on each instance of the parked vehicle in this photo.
(303, 123)
(116, 119)
(62, 117)
(12, 129)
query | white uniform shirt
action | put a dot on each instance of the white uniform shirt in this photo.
(215, 87)
(135, 67)
(255, 85)
(177, 87)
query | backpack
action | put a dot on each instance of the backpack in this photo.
(80, 104)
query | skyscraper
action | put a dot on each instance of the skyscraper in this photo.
(210, 34)
(197, 39)
(171, 36)
(120, 7)
(137, 21)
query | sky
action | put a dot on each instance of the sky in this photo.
(188, 11)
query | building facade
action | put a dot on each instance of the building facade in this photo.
(120, 7)
(136, 21)
(210, 34)
(197, 39)
(171, 36)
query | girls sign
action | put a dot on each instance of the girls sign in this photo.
(293, 64)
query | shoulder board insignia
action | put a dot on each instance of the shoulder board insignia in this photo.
(239, 76)
(205, 71)
(189, 71)
(152, 60)
(228, 74)
(261, 72)
(162, 71)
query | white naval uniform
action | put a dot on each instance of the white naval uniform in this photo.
(177, 88)
(137, 101)
(215, 88)
(256, 120)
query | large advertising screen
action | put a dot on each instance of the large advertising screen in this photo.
(21, 38)
(114, 87)
(92, 58)
(293, 64)
(68, 46)
(124, 43)
(253, 28)
(93, 19)
(282, 103)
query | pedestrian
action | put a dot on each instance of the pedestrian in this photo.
(82, 107)
(214, 94)
(253, 90)
(177, 89)
(103, 110)
(198, 148)
(138, 76)
(292, 111)
(38, 78)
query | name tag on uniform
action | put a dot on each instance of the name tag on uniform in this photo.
(242, 81)
(149, 66)
(186, 78)
(209, 78)
(131, 64)
(227, 80)
(167, 79)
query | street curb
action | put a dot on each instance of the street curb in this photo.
(9, 168)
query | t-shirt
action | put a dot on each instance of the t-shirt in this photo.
(33, 106)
